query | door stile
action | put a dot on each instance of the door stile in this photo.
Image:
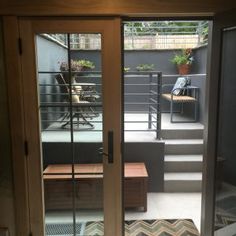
(112, 120)
(111, 74)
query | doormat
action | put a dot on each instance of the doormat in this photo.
(223, 218)
(225, 212)
(179, 227)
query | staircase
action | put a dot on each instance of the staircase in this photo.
(183, 159)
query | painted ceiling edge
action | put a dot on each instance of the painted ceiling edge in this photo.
(188, 15)
(157, 8)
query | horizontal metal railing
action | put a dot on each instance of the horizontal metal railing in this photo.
(53, 108)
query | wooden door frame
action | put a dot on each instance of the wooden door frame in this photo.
(17, 124)
(16, 110)
(29, 180)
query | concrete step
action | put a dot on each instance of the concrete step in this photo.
(183, 182)
(182, 133)
(183, 163)
(183, 146)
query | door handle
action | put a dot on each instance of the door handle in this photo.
(110, 148)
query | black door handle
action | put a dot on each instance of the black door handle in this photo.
(110, 148)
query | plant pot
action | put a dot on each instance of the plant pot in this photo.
(184, 69)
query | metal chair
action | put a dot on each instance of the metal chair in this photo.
(78, 105)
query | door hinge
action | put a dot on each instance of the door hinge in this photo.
(20, 46)
(26, 148)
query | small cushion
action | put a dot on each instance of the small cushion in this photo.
(181, 82)
(179, 98)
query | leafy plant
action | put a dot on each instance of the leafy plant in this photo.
(77, 65)
(145, 67)
(126, 69)
(183, 58)
(86, 64)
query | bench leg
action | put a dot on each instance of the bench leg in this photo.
(171, 111)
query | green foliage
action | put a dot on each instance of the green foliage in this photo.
(185, 57)
(126, 69)
(145, 67)
(167, 27)
(77, 65)
(86, 64)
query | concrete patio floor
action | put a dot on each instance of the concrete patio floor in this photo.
(59, 134)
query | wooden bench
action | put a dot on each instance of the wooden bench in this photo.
(182, 99)
(58, 186)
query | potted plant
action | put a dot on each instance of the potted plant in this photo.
(126, 69)
(85, 64)
(76, 66)
(145, 67)
(183, 61)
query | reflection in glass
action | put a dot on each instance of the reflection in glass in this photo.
(69, 88)
(225, 202)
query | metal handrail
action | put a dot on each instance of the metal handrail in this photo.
(153, 95)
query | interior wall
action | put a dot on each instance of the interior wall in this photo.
(7, 217)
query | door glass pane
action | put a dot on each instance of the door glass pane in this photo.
(163, 133)
(225, 202)
(70, 106)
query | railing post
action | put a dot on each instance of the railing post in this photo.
(149, 101)
(159, 92)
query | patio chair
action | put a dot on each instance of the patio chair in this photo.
(89, 94)
(78, 105)
(181, 93)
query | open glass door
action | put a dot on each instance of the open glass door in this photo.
(225, 178)
(219, 196)
(72, 96)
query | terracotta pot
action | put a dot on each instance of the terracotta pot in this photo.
(184, 69)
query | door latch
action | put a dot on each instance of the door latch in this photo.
(110, 148)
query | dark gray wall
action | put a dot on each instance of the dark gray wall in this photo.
(227, 113)
(91, 55)
(151, 154)
(161, 60)
(200, 60)
(49, 57)
(200, 82)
